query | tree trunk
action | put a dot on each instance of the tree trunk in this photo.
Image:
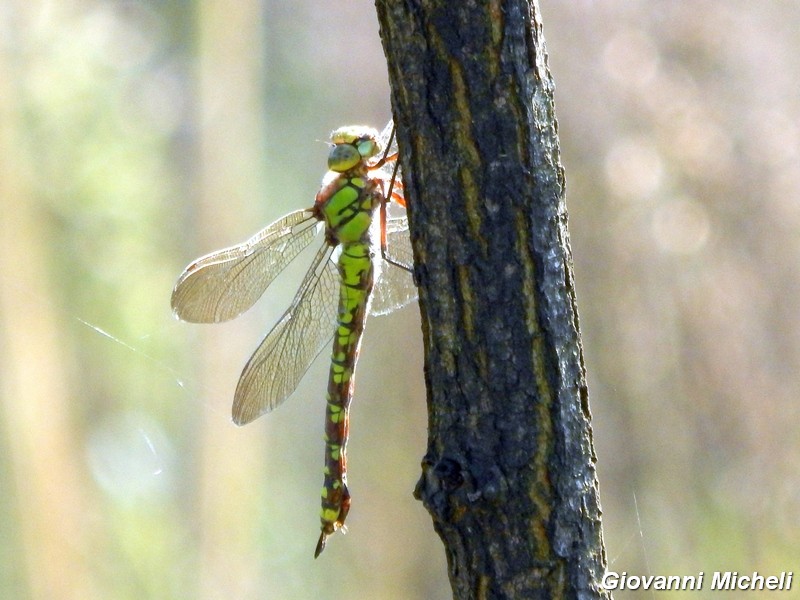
(509, 475)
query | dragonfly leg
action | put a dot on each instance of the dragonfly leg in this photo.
(395, 183)
(384, 252)
(386, 158)
(398, 196)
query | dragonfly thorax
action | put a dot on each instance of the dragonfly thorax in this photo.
(347, 204)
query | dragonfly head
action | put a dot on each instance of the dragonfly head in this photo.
(352, 145)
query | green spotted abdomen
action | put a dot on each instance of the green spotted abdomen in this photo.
(348, 204)
(357, 273)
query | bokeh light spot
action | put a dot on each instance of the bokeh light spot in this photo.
(634, 168)
(129, 457)
(681, 226)
(631, 58)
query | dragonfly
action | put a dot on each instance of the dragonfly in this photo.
(363, 265)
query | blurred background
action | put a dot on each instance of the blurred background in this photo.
(136, 136)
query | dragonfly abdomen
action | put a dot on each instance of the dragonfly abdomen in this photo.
(357, 270)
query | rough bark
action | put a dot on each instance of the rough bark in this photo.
(509, 474)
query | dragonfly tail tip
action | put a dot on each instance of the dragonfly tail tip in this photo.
(320, 544)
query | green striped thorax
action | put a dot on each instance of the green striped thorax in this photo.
(349, 195)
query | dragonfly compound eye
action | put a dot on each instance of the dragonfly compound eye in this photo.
(343, 157)
(367, 148)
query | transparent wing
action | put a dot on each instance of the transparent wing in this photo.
(386, 133)
(395, 287)
(391, 166)
(222, 285)
(285, 354)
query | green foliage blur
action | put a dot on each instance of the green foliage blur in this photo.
(138, 135)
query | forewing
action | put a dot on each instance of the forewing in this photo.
(395, 287)
(224, 284)
(285, 354)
